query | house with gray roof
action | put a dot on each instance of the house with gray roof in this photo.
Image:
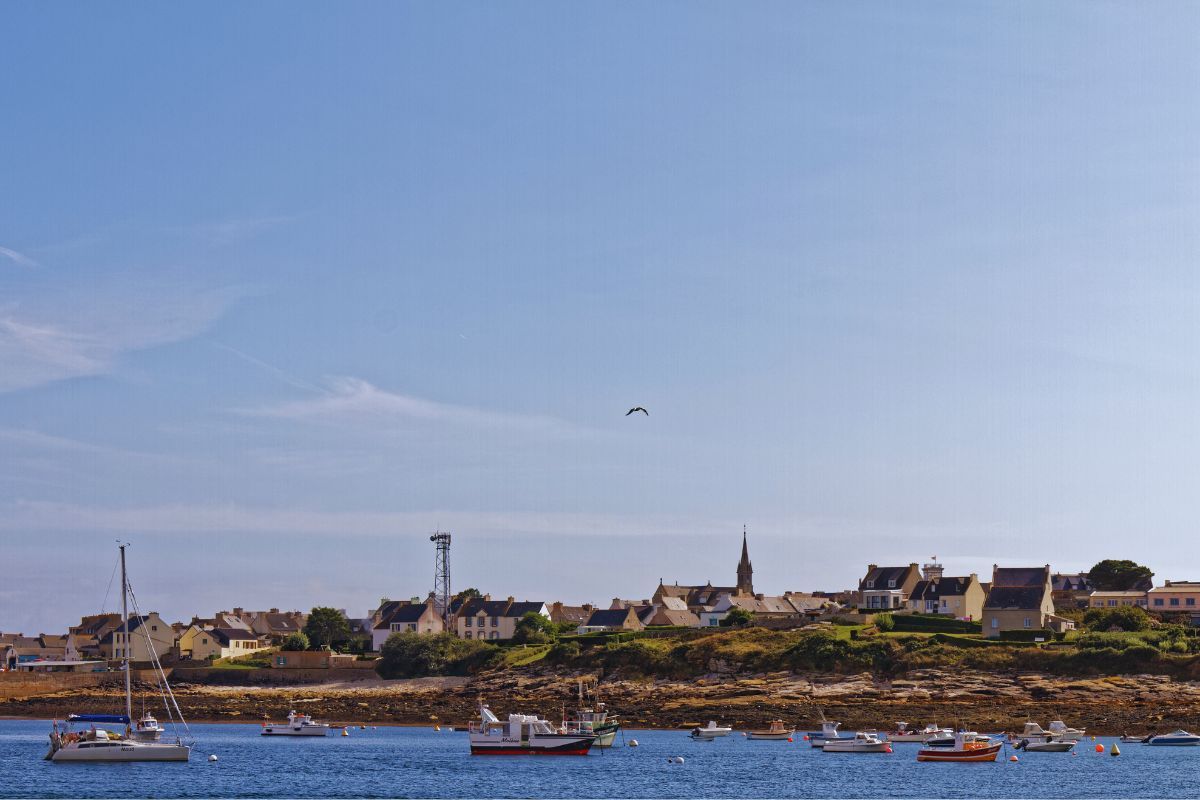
(887, 588)
(1021, 598)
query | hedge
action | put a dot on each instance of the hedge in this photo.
(1027, 635)
(921, 623)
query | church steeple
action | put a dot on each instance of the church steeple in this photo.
(745, 572)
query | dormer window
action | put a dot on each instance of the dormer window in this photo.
(892, 584)
(870, 584)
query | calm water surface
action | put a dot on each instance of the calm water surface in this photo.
(418, 762)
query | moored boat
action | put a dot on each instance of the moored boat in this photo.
(97, 745)
(903, 733)
(1064, 731)
(829, 732)
(967, 746)
(710, 731)
(1035, 740)
(296, 725)
(524, 735)
(776, 732)
(595, 720)
(861, 742)
(147, 728)
(1175, 738)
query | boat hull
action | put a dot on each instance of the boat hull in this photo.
(549, 746)
(124, 752)
(769, 737)
(988, 753)
(606, 735)
(293, 732)
(882, 747)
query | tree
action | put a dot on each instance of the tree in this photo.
(468, 594)
(533, 628)
(415, 655)
(326, 627)
(1113, 575)
(295, 641)
(737, 617)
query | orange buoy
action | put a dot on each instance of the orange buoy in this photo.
(789, 738)
(1012, 758)
(1099, 748)
(806, 737)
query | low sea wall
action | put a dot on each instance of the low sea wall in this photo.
(17, 685)
(270, 676)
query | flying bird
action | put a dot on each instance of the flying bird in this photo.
(637, 408)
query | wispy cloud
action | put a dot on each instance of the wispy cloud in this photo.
(18, 258)
(351, 399)
(34, 440)
(231, 231)
(75, 331)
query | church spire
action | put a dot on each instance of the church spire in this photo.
(745, 572)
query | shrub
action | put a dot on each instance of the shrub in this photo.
(1023, 635)
(295, 641)
(414, 655)
(736, 618)
(1125, 618)
(563, 652)
(533, 628)
(935, 623)
(885, 622)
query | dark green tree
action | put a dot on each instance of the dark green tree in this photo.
(1118, 575)
(415, 655)
(468, 594)
(1125, 618)
(736, 618)
(295, 641)
(533, 628)
(326, 627)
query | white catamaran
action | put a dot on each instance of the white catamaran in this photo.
(89, 743)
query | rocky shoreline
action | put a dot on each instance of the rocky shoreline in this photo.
(991, 702)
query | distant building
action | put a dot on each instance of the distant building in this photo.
(1175, 596)
(484, 618)
(1132, 597)
(146, 633)
(1021, 598)
(1071, 590)
(699, 599)
(612, 619)
(887, 588)
(407, 618)
(578, 615)
(83, 640)
(961, 598)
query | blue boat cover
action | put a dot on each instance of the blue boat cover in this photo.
(109, 718)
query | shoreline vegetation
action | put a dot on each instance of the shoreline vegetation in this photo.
(866, 677)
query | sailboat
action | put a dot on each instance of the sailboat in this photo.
(103, 745)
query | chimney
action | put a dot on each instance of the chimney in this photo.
(556, 607)
(871, 567)
(511, 599)
(616, 603)
(274, 611)
(237, 612)
(487, 598)
(587, 607)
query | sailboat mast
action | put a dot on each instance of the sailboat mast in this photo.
(125, 647)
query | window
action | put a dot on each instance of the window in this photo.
(412, 626)
(1027, 621)
(1191, 601)
(495, 634)
(1174, 601)
(469, 623)
(995, 622)
(204, 641)
(1112, 603)
(869, 584)
(1158, 601)
(892, 583)
(495, 621)
(467, 634)
(153, 627)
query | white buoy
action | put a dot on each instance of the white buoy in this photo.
(675, 760)
(212, 757)
(633, 743)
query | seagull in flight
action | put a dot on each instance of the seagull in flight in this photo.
(637, 408)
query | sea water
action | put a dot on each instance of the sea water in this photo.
(421, 762)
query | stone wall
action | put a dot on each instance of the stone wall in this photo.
(18, 685)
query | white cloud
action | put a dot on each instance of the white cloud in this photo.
(76, 332)
(18, 258)
(354, 399)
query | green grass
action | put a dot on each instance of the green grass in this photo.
(523, 657)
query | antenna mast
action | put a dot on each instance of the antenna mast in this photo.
(441, 576)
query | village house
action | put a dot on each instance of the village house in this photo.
(578, 615)
(700, 599)
(83, 640)
(484, 618)
(275, 625)
(1175, 596)
(1021, 598)
(612, 619)
(1114, 599)
(407, 618)
(1071, 590)
(199, 643)
(763, 607)
(961, 598)
(20, 651)
(885, 588)
(114, 646)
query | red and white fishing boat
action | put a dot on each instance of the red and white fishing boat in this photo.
(524, 735)
(968, 746)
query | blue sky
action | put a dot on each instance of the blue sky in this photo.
(286, 287)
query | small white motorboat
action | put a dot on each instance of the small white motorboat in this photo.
(861, 742)
(1175, 738)
(1035, 740)
(147, 729)
(828, 733)
(296, 725)
(903, 733)
(1062, 730)
(524, 735)
(710, 731)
